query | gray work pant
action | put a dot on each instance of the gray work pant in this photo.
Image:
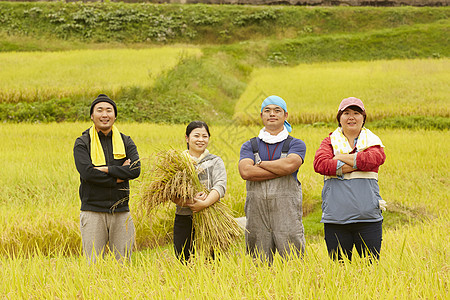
(274, 218)
(98, 228)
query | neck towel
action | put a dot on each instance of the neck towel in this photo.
(97, 154)
(273, 139)
(365, 140)
(197, 159)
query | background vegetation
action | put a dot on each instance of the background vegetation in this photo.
(235, 40)
(137, 23)
(30, 76)
(389, 89)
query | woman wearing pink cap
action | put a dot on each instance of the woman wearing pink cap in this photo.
(349, 159)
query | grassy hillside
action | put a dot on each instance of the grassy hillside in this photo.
(235, 41)
(204, 24)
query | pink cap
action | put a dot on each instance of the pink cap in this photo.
(351, 101)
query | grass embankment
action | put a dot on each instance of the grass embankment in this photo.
(40, 203)
(199, 24)
(213, 83)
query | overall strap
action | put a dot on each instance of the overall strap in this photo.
(254, 145)
(255, 150)
(286, 144)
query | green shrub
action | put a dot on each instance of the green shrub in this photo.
(150, 23)
(403, 42)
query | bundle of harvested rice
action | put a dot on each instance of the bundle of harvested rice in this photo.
(215, 229)
(174, 178)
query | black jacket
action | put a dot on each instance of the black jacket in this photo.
(99, 191)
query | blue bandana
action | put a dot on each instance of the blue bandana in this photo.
(275, 100)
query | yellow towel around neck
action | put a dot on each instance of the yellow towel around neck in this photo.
(366, 139)
(97, 155)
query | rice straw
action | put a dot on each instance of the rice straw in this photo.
(174, 178)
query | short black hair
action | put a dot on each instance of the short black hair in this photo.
(196, 124)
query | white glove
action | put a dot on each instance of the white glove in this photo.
(382, 204)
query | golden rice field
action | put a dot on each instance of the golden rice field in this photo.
(40, 241)
(35, 76)
(414, 265)
(388, 88)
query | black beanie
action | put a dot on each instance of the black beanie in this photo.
(103, 98)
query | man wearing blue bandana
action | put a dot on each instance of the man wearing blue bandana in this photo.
(273, 207)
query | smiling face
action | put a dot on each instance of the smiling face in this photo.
(103, 116)
(197, 140)
(351, 121)
(273, 117)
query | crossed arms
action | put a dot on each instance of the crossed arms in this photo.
(107, 176)
(325, 162)
(269, 169)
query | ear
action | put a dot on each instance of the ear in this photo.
(187, 138)
(92, 117)
(286, 115)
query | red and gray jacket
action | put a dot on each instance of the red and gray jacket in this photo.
(354, 198)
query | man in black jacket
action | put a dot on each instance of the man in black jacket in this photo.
(106, 160)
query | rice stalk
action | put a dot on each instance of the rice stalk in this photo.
(174, 178)
(215, 229)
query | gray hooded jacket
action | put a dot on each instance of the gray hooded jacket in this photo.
(212, 175)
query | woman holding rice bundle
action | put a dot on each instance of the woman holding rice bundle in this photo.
(351, 204)
(212, 175)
